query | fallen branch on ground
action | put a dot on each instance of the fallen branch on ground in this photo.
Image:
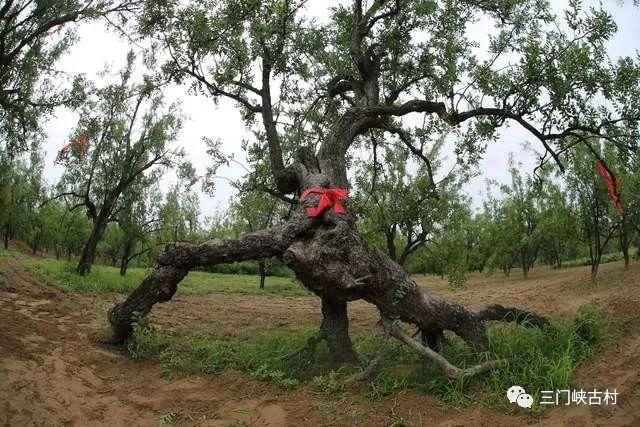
(450, 370)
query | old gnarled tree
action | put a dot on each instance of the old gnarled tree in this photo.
(363, 73)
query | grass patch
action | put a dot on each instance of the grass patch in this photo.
(107, 279)
(540, 359)
(8, 253)
(261, 356)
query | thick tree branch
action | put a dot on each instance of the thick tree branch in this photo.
(175, 261)
(512, 314)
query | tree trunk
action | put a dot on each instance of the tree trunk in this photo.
(345, 269)
(6, 237)
(124, 261)
(525, 265)
(391, 244)
(262, 271)
(624, 240)
(335, 330)
(594, 270)
(124, 264)
(332, 260)
(88, 256)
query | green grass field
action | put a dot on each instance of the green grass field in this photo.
(107, 279)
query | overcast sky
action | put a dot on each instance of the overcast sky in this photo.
(97, 46)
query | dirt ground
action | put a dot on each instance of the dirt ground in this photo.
(51, 373)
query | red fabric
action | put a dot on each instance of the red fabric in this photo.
(614, 187)
(80, 144)
(328, 198)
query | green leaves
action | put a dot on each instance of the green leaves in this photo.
(34, 36)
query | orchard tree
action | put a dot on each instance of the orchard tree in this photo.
(178, 215)
(139, 221)
(598, 217)
(122, 136)
(558, 225)
(628, 174)
(317, 89)
(73, 232)
(502, 245)
(449, 250)
(518, 218)
(34, 34)
(22, 193)
(110, 244)
(253, 211)
(404, 209)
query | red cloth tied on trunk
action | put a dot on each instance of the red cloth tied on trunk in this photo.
(329, 197)
(612, 184)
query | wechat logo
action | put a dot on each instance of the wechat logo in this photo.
(516, 394)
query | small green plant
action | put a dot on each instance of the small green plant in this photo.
(145, 342)
(592, 326)
(385, 384)
(168, 418)
(266, 374)
(329, 384)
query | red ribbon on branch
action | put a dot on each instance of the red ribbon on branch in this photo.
(328, 198)
(79, 146)
(613, 183)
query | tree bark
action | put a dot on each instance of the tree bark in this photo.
(335, 330)
(124, 264)
(124, 260)
(88, 255)
(262, 271)
(174, 262)
(624, 239)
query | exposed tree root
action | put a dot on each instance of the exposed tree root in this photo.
(308, 347)
(449, 369)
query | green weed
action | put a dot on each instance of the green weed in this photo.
(168, 418)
